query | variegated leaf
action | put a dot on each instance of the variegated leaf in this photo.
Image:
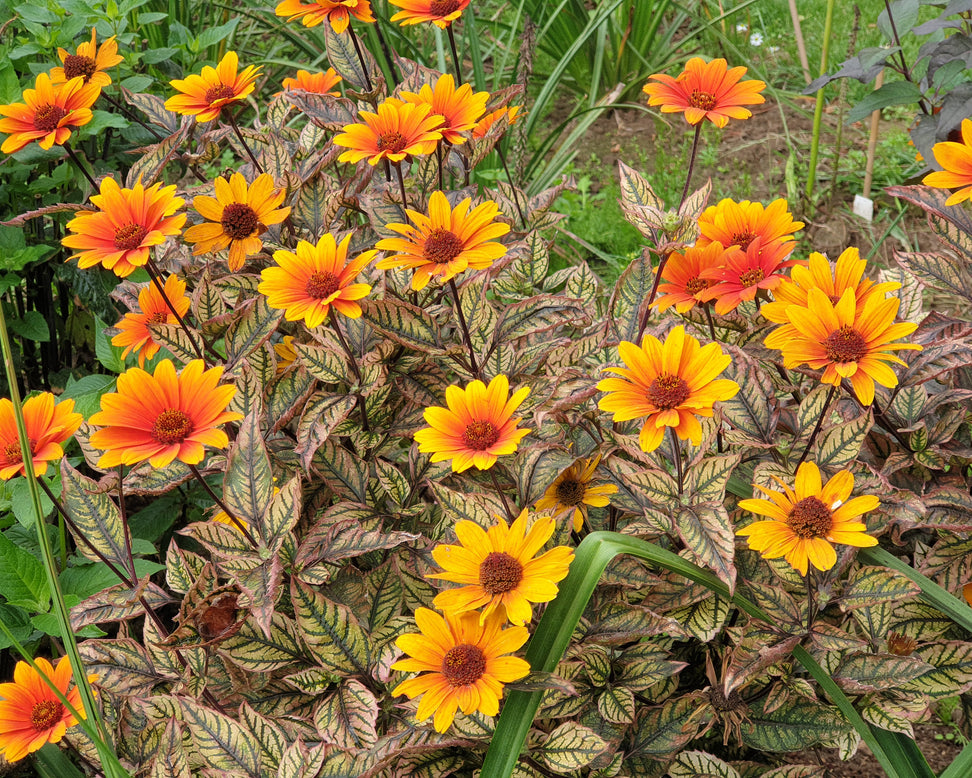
(347, 718)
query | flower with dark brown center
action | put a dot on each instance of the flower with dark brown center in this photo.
(77, 65)
(696, 285)
(321, 285)
(443, 7)
(500, 573)
(130, 236)
(394, 142)
(11, 453)
(463, 664)
(845, 345)
(48, 117)
(668, 391)
(480, 435)
(171, 426)
(158, 317)
(570, 492)
(752, 276)
(239, 220)
(702, 100)
(219, 92)
(44, 714)
(810, 518)
(442, 246)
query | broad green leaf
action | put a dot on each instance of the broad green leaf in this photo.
(811, 407)
(861, 672)
(894, 93)
(617, 705)
(570, 747)
(123, 666)
(270, 739)
(342, 56)
(221, 742)
(33, 326)
(347, 718)
(170, 758)
(630, 296)
(325, 364)
(286, 396)
(796, 724)
(23, 581)
(952, 675)
(663, 730)
(322, 414)
(869, 586)
(751, 410)
(707, 479)
(635, 189)
(537, 315)
(703, 619)
(331, 630)
(346, 473)
(283, 514)
(252, 650)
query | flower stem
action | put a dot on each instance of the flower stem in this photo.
(246, 146)
(153, 272)
(691, 167)
(651, 297)
(357, 49)
(209, 490)
(455, 55)
(80, 166)
(708, 317)
(677, 456)
(496, 486)
(816, 428)
(811, 600)
(438, 159)
(401, 185)
(465, 330)
(387, 52)
(354, 369)
(130, 115)
(516, 199)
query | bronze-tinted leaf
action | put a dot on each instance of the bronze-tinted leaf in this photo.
(331, 630)
(406, 324)
(347, 718)
(256, 323)
(221, 742)
(248, 481)
(570, 747)
(95, 516)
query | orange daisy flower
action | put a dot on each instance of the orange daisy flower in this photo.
(685, 285)
(462, 664)
(805, 520)
(573, 489)
(48, 426)
(163, 416)
(833, 282)
(237, 217)
(337, 12)
(48, 113)
(307, 284)
(136, 328)
(668, 385)
(500, 568)
(396, 131)
(89, 63)
(845, 340)
(706, 91)
(512, 114)
(31, 715)
(476, 427)
(318, 83)
(956, 162)
(739, 224)
(459, 109)
(446, 242)
(744, 273)
(128, 222)
(204, 96)
(442, 13)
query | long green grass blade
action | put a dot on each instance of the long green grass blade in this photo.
(961, 766)
(552, 636)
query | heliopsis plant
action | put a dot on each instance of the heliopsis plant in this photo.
(90, 62)
(743, 274)
(49, 424)
(463, 664)
(31, 715)
(683, 281)
(207, 94)
(441, 13)
(153, 308)
(163, 416)
(667, 384)
(337, 12)
(706, 90)
(319, 83)
(806, 520)
(512, 114)
(128, 223)
(500, 569)
(446, 242)
(955, 159)
(397, 131)
(574, 490)
(845, 340)
(739, 224)
(459, 109)
(236, 217)
(308, 283)
(48, 113)
(476, 427)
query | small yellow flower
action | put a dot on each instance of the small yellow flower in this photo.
(573, 489)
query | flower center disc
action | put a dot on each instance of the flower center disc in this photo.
(443, 7)
(742, 239)
(570, 492)
(463, 664)
(702, 100)
(845, 345)
(11, 454)
(77, 65)
(480, 435)
(239, 220)
(45, 715)
(390, 141)
(48, 118)
(442, 246)
(696, 285)
(500, 573)
(220, 92)
(129, 237)
(171, 426)
(322, 284)
(668, 391)
(752, 276)
(810, 518)
(159, 317)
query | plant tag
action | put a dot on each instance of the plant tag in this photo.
(864, 207)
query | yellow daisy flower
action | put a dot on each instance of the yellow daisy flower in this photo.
(573, 489)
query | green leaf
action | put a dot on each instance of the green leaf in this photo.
(710, 538)
(342, 56)
(33, 326)
(21, 503)
(346, 473)
(322, 414)
(248, 483)
(23, 581)
(286, 396)
(796, 724)
(952, 675)
(869, 586)
(878, 672)
(325, 364)
(698, 764)
(665, 729)
(538, 314)
(840, 445)
(894, 93)
(752, 410)
(283, 514)
(707, 479)
(347, 718)
(405, 324)
(252, 650)
(617, 705)
(221, 742)
(811, 407)
(331, 630)
(123, 666)
(257, 322)
(95, 516)
(631, 294)
(570, 747)
(270, 738)
(171, 760)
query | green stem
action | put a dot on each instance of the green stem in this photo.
(818, 108)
